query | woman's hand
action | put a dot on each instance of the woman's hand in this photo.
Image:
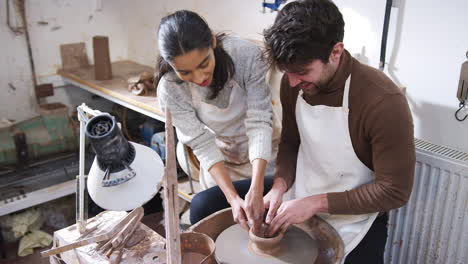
(254, 209)
(253, 206)
(219, 173)
(238, 212)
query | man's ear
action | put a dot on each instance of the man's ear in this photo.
(214, 41)
(336, 52)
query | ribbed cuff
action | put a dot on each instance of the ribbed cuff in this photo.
(260, 145)
(209, 155)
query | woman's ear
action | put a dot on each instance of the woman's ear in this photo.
(214, 41)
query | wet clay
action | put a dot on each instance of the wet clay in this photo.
(261, 245)
(233, 246)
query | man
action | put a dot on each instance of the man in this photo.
(347, 151)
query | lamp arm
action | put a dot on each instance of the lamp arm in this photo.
(81, 214)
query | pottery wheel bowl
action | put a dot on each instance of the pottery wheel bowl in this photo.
(197, 248)
(328, 245)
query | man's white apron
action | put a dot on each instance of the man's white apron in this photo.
(326, 162)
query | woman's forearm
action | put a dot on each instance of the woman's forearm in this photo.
(220, 175)
(258, 175)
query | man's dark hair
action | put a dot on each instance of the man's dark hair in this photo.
(303, 31)
(184, 31)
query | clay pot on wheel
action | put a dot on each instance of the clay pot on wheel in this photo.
(265, 246)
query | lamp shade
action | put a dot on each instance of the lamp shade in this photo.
(124, 175)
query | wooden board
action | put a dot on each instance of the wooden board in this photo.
(117, 87)
(73, 55)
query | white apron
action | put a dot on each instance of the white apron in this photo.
(326, 162)
(228, 124)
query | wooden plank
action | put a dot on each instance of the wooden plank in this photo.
(44, 90)
(170, 197)
(73, 55)
(117, 87)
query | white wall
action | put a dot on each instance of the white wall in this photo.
(52, 23)
(17, 99)
(426, 45)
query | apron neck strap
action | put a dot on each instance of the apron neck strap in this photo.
(346, 93)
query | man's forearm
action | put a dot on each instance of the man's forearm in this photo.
(286, 167)
(279, 184)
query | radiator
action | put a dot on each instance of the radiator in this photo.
(433, 226)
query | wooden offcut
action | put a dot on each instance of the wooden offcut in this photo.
(73, 56)
(102, 63)
(44, 90)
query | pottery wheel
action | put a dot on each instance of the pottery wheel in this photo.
(296, 247)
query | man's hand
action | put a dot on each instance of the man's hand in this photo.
(272, 202)
(274, 198)
(238, 212)
(254, 209)
(297, 211)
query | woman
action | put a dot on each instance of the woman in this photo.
(220, 103)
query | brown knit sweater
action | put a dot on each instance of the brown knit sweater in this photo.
(381, 129)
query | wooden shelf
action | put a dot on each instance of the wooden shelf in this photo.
(115, 90)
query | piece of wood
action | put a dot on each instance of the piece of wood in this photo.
(170, 197)
(89, 231)
(95, 239)
(107, 245)
(102, 63)
(127, 231)
(73, 56)
(120, 247)
(115, 257)
(134, 239)
(44, 90)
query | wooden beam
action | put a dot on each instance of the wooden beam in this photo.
(170, 197)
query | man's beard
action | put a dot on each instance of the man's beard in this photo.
(319, 87)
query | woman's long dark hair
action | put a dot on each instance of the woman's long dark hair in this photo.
(184, 31)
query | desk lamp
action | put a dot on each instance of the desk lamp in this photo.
(124, 175)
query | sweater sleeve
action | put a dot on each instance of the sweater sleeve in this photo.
(290, 140)
(259, 120)
(190, 130)
(389, 128)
